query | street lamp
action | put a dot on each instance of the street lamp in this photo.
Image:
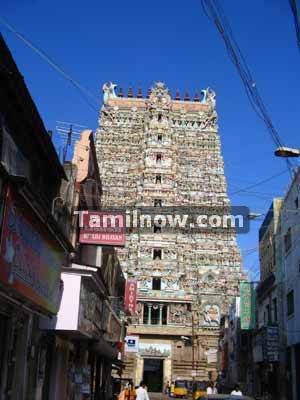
(287, 152)
(252, 216)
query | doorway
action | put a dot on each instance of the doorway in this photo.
(153, 374)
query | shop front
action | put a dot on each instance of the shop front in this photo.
(85, 335)
(30, 263)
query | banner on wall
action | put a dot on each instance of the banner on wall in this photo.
(130, 296)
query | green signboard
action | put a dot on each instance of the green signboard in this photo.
(247, 305)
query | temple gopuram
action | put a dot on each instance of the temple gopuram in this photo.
(163, 151)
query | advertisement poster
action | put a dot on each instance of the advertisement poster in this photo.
(30, 263)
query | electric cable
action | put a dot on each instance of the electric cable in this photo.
(293, 5)
(216, 14)
(85, 93)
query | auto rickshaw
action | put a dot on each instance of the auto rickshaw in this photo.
(180, 389)
(199, 389)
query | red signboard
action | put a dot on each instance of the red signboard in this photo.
(30, 262)
(130, 296)
(102, 228)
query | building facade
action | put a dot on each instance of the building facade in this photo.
(33, 245)
(290, 256)
(84, 339)
(268, 341)
(161, 152)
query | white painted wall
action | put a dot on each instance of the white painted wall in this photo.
(67, 317)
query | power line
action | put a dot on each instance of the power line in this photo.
(85, 93)
(216, 14)
(259, 183)
(293, 5)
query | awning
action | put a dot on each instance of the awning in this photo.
(105, 349)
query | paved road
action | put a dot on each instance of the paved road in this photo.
(158, 396)
(162, 396)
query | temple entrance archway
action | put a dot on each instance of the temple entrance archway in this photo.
(153, 374)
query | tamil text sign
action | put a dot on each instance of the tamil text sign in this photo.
(102, 228)
(30, 262)
(247, 305)
(130, 296)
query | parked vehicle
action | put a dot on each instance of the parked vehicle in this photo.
(199, 389)
(225, 397)
(180, 389)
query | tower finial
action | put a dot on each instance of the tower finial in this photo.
(130, 92)
(177, 95)
(187, 96)
(139, 93)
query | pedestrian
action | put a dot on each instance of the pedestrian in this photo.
(210, 388)
(236, 391)
(130, 393)
(167, 390)
(172, 389)
(215, 390)
(141, 392)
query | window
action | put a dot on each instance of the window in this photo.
(158, 179)
(159, 117)
(158, 158)
(290, 303)
(274, 251)
(157, 254)
(268, 314)
(275, 312)
(296, 202)
(288, 240)
(156, 284)
(157, 203)
(159, 137)
(157, 229)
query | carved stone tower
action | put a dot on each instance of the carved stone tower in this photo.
(159, 151)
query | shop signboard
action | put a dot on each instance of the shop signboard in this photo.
(102, 228)
(131, 344)
(30, 261)
(247, 305)
(272, 344)
(130, 296)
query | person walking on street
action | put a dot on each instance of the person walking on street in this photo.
(215, 390)
(130, 393)
(141, 392)
(210, 388)
(172, 388)
(236, 391)
(167, 390)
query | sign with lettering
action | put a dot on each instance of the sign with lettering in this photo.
(131, 344)
(130, 296)
(30, 261)
(102, 228)
(247, 305)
